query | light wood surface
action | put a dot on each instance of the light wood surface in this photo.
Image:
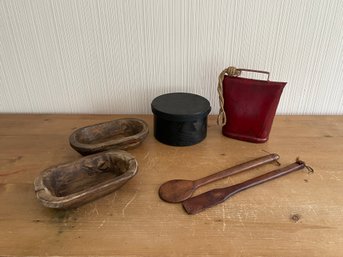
(300, 214)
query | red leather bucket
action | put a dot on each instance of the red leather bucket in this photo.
(248, 106)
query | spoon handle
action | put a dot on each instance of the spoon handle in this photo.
(236, 169)
(213, 197)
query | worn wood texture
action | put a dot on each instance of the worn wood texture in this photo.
(73, 184)
(114, 134)
(298, 215)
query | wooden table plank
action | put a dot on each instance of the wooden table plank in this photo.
(298, 215)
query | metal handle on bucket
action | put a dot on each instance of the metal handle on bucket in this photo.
(257, 71)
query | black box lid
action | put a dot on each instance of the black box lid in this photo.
(181, 106)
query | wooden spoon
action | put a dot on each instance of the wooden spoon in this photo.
(213, 197)
(178, 190)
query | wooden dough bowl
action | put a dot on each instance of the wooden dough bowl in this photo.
(115, 134)
(73, 184)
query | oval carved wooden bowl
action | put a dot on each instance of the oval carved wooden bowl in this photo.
(73, 184)
(115, 134)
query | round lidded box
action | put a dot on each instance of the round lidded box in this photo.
(180, 119)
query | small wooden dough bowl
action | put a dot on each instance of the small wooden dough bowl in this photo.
(73, 184)
(116, 134)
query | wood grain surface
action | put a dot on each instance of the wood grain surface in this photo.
(297, 215)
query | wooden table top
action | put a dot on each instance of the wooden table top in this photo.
(300, 214)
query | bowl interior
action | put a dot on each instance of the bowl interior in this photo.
(75, 177)
(113, 130)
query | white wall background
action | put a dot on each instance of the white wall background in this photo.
(116, 56)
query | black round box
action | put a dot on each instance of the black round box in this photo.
(180, 119)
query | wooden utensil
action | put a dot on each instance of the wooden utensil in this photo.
(213, 197)
(178, 190)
